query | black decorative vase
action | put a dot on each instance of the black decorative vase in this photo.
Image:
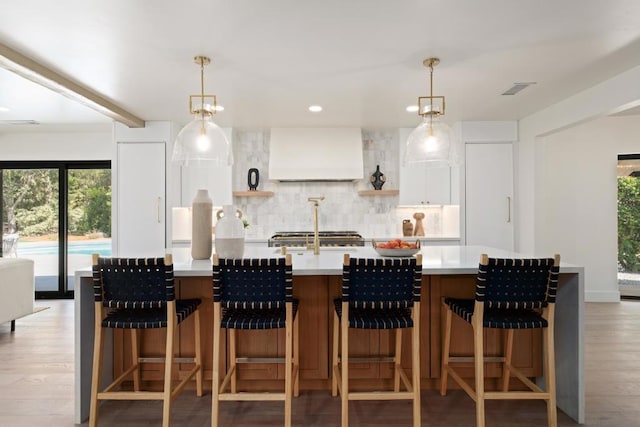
(377, 179)
(253, 179)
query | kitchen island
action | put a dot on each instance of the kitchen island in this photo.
(447, 271)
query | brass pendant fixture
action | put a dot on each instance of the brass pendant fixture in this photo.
(201, 142)
(431, 141)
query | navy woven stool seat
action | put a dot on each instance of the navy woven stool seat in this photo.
(126, 318)
(498, 318)
(253, 294)
(377, 318)
(138, 294)
(267, 318)
(378, 293)
(510, 294)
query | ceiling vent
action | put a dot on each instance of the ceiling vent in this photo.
(517, 87)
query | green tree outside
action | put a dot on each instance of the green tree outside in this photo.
(30, 198)
(629, 223)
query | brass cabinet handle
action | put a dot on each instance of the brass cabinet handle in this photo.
(508, 209)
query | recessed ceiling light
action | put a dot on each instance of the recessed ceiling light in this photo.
(315, 108)
(412, 108)
(4, 109)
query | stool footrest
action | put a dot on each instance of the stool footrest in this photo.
(381, 395)
(162, 359)
(260, 360)
(246, 396)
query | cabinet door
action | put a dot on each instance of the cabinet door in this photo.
(421, 185)
(141, 199)
(489, 195)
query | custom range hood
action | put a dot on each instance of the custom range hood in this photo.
(315, 154)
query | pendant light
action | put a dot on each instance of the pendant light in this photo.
(430, 143)
(201, 142)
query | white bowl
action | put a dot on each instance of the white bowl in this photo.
(396, 252)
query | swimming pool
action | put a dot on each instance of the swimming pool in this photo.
(83, 247)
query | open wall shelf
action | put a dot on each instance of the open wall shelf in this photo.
(252, 193)
(378, 192)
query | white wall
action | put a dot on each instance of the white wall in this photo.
(87, 145)
(579, 193)
(536, 191)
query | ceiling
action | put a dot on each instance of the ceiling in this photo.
(361, 60)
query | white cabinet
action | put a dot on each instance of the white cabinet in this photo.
(420, 185)
(425, 186)
(141, 199)
(489, 195)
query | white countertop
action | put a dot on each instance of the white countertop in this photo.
(435, 259)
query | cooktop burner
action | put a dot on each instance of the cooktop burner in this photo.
(327, 238)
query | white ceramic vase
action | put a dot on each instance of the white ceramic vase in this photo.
(201, 214)
(229, 234)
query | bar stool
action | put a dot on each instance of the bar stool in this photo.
(378, 294)
(138, 294)
(510, 294)
(253, 294)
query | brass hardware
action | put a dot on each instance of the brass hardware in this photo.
(430, 63)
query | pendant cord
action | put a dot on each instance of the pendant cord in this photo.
(202, 130)
(431, 113)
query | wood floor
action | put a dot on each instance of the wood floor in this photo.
(36, 385)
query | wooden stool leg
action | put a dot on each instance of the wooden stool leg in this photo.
(98, 348)
(215, 383)
(198, 355)
(550, 374)
(445, 350)
(415, 364)
(288, 365)
(344, 393)
(168, 364)
(334, 359)
(232, 359)
(478, 354)
(508, 353)
(135, 358)
(397, 360)
(296, 356)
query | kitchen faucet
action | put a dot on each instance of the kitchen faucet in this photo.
(316, 238)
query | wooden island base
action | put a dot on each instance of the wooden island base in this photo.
(316, 294)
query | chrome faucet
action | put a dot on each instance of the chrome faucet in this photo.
(316, 238)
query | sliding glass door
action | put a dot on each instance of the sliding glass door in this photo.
(629, 225)
(42, 201)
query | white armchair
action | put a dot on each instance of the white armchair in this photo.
(16, 289)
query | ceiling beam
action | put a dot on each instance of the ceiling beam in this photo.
(37, 73)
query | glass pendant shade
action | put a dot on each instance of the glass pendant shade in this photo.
(429, 143)
(202, 143)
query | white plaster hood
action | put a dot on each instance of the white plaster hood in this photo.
(315, 154)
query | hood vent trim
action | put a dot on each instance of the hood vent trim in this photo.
(316, 154)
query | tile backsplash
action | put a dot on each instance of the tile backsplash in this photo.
(342, 208)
